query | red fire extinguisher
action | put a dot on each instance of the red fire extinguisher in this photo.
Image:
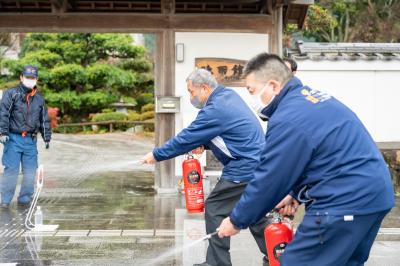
(193, 184)
(277, 236)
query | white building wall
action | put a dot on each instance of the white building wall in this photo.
(138, 39)
(370, 88)
(241, 46)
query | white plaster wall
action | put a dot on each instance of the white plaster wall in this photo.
(370, 88)
(206, 44)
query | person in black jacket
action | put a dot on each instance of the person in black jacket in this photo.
(22, 115)
(290, 63)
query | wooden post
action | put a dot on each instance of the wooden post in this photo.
(275, 32)
(165, 123)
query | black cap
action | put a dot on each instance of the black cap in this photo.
(30, 71)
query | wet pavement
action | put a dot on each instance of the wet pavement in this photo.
(109, 214)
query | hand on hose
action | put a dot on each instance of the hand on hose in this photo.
(47, 143)
(288, 206)
(226, 228)
(148, 159)
(4, 139)
(198, 150)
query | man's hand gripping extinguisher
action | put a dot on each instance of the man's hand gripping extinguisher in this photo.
(193, 184)
(277, 236)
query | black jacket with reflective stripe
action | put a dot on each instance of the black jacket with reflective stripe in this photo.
(16, 116)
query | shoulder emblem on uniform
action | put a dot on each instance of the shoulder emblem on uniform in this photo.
(315, 96)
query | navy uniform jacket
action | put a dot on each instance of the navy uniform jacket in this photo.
(228, 127)
(16, 117)
(316, 144)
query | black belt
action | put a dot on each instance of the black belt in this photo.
(30, 134)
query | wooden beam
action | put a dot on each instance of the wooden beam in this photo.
(125, 22)
(230, 23)
(222, 1)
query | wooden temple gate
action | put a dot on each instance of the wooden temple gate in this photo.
(163, 18)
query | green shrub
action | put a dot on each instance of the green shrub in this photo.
(9, 85)
(83, 73)
(102, 131)
(147, 107)
(102, 75)
(140, 64)
(148, 127)
(147, 115)
(68, 130)
(67, 77)
(134, 116)
(128, 99)
(145, 98)
(96, 100)
(70, 102)
(107, 110)
(109, 116)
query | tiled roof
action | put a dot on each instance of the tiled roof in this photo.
(345, 51)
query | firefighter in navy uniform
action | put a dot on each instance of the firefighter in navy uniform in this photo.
(228, 127)
(22, 115)
(318, 150)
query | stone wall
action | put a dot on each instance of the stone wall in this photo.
(392, 158)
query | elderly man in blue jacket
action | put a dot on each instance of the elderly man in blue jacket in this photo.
(317, 149)
(227, 126)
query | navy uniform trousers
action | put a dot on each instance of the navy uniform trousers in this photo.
(329, 240)
(218, 206)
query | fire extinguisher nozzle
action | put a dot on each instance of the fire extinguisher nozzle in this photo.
(210, 235)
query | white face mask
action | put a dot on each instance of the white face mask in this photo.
(29, 83)
(257, 104)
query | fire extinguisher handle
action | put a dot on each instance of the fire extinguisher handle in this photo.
(290, 217)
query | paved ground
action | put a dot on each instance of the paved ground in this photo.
(108, 213)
